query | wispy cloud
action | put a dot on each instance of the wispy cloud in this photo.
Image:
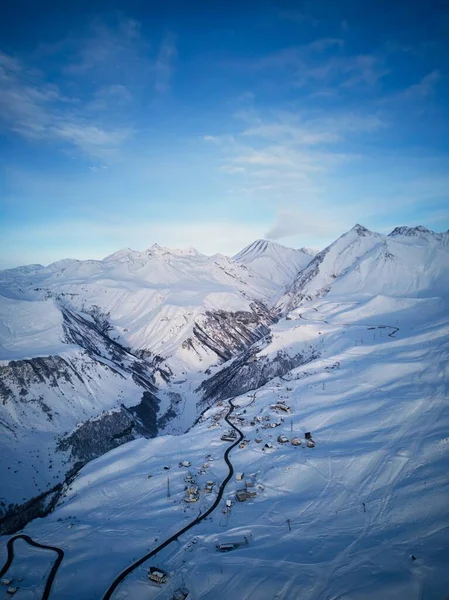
(418, 91)
(298, 16)
(289, 148)
(307, 223)
(37, 110)
(165, 63)
(111, 51)
(108, 70)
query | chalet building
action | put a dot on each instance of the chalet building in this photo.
(241, 495)
(296, 442)
(282, 439)
(209, 487)
(158, 575)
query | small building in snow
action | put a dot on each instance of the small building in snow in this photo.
(185, 463)
(229, 436)
(180, 594)
(296, 442)
(231, 545)
(239, 476)
(282, 439)
(209, 487)
(157, 575)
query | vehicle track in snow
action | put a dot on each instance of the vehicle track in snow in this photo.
(122, 576)
(31, 542)
(391, 334)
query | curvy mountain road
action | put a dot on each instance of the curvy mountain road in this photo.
(31, 542)
(118, 580)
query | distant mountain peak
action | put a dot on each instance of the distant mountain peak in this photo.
(410, 231)
(156, 249)
(360, 229)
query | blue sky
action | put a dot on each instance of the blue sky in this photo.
(211, 124)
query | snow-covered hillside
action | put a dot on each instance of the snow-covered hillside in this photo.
(152, 299)
(340, 520)
(95, 354)
(274, 262)
(79, 339)
(408, 262)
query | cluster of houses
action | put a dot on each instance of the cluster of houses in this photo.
(249, 491)
(296, 441)
(10, 590)
(192, 489)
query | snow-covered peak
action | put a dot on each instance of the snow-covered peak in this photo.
(273, 261)
(419, 230)
(157, 250)
(122, 254)
(364, 262)
(361, 230)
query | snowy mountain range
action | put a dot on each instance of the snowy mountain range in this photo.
(134, 348)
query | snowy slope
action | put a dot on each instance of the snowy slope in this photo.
(97, 353)
(29, 329)
(407, 262)
(274, 262)
(340, 520)
(151, 298)
(79, 339)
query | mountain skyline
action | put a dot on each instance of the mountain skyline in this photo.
(247, 250)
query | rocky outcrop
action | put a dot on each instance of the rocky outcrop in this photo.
(250, 372)
(230, 333)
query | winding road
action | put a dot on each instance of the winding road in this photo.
(118, 580)
(31, 542)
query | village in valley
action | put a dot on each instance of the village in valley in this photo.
(261, 435)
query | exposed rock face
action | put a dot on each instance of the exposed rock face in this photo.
(250, 372)
(229, 333)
